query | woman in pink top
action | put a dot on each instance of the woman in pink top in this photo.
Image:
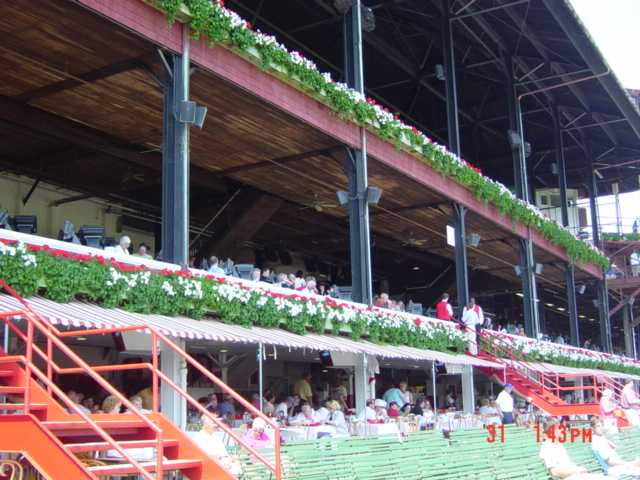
(256, 438)
(607, 407)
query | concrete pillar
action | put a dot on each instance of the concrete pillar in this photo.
(361, 381)
(468, 390)
(172, 405)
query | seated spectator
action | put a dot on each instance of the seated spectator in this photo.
(323, 411)
(283, 281)
(310, 287)
(323, 289)
(405, 410)
(269, 404)
(380, 407)
(214, 266)
(212, 404)
(137, 403)
(142, 252)
(299, 280)
(336, 418)
(367, 413)
(297, 405)
(89, 403)
(227, 407)
(407, 396)
(265, 275)
(393, 410)
(111, 405)
(418, 408)
(213, 446)
(308, 416)
(256, 438)
(382, 301)
(146, 394)
(123, 247)
(255, 275)
(605, 452)
(556, 459)
(282, 409)
(490, 408)
(255, 400)
(76, 399)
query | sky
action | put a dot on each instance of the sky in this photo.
(614, 25)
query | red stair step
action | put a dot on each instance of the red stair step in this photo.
(20, 406)
(95, 446)
(126, 468)
(11, 389)
(6, 373)
(80, 424)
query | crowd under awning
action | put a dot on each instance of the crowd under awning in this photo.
(90, 315)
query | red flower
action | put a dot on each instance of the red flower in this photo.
(414, 130)
(417, 322)
(35, 248)
(248, 24)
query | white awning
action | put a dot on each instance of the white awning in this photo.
(91, 315)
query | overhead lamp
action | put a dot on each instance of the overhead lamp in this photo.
(373, 195)
(580, 289)
(549, 304)
(561, 309)
(473, 239)
(519, 294)
(554, 168)
(518, 270)
(440, 75)
(343, 198)
(537, 269)
(598, 174)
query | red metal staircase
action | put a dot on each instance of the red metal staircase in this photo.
(35, 420)
(536, 381)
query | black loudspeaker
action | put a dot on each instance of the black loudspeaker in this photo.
(271, 253)
(441, 369)
(118, 342)
(311, 264)
(285, 257)
(325, 358)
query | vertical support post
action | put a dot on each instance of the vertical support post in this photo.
(468, 391)
(564, 211)
(357, 166)
(530, 306)
(260, 389)
(462, 280)
(450, 78)
(361, 379)
(448, 57)
(434, 405)
(601, 284)
(628, 332)
(173, 405)
(175, 160)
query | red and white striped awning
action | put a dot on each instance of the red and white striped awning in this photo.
(91, 315)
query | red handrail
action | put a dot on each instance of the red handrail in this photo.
(53, 334)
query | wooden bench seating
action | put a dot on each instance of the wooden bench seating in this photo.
(463, 455)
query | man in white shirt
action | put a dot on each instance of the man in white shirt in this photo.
(472, 315)
(282, 409)
(367, 413)
(505, 402)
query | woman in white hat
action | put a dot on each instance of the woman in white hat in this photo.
(256, 438)
(380, 406)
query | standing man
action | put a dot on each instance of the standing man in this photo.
(505, 402)
(303, 388)
(471, 316)
(630, 403)
(443, 308)
(634, 261)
